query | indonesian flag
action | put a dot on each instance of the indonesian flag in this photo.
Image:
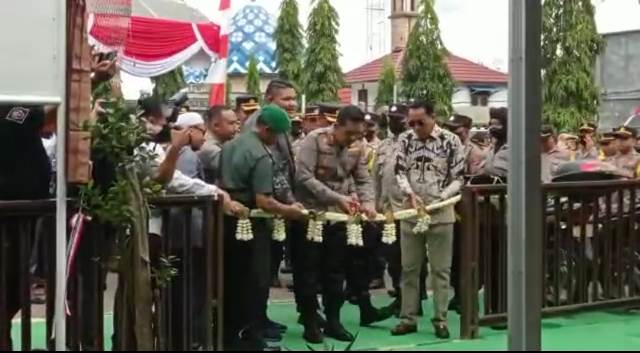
(218, 71)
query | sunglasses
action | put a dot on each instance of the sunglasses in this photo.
(203, 131)
(414, 124)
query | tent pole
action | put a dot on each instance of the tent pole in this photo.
(61, 184)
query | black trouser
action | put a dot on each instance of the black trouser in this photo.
(277, 255)
(16, 238)
(324, 263)
(195, 289)
(247, 276)
(358, 262)
(393, 255)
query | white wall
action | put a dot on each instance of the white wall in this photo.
(462, 97)
(372, 87)
(499, 99)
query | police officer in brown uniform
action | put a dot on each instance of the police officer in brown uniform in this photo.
(628, 160)
(246, 106)
(588, 148)
(474, 152)
(497, 162)
(330, 160)
(475, 156)
(608, 147)
(551, 156)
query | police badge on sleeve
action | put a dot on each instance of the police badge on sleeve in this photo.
(18, 115)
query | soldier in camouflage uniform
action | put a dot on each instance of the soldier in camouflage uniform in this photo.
(627, 160)
(330, 161)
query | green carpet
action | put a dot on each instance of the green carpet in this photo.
(615, 330)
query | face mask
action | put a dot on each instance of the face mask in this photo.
(498, 133)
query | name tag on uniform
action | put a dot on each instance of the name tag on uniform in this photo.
(18, 115)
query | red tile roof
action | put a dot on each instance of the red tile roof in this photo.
(344, 95)
(462, 70)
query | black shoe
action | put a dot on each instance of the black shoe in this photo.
(403, 330)
(336, 331)
(394, 308)
(441, 329)
(372, 315)
(272, 335)
(320, 320)
(312, 333)
(272, 325)
(377, 284)
(392, 293)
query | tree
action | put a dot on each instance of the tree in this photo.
(289, 42)
(253, 78)
(570, 47)
(168, 84)
(425, 74)
(323, 75)
(386, 84)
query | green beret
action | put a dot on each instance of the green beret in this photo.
(276, 119)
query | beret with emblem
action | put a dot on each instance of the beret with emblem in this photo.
(276, 119)
(398, 110)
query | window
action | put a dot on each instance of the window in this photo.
(363, 96)
(480, 99)
(413, 6)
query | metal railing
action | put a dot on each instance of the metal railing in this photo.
(187, 310)
(590, 253)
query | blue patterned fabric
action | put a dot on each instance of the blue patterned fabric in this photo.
(251, 34)
(193, 76)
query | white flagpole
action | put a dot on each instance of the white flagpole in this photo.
(61, 184)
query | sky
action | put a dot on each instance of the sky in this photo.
(474, 29)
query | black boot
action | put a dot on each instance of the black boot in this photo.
(336, 331)
(322, 322)
(312, 333)
(370, 315)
